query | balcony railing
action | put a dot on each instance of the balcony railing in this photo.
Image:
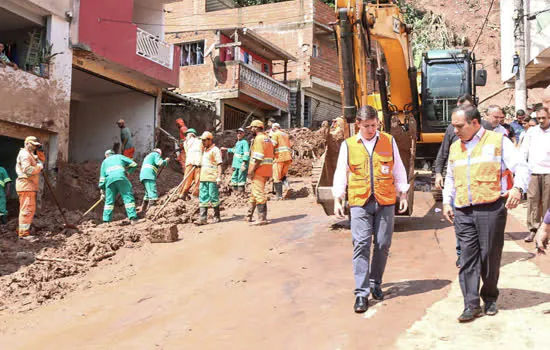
(154, 49)
(264, 83)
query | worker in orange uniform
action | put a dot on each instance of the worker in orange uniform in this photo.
(259, 170)
(193, 159)
(180, 150)
(282, 161)
(28, 167)
(127, 146)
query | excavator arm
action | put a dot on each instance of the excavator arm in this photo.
(371, 38)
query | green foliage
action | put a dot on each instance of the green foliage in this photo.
(430, 32)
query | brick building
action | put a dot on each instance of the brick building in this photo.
(299, 27)
(233, 68)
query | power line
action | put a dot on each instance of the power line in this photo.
(483, 25)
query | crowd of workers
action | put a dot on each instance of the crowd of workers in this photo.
(268, 156)
(489, 166)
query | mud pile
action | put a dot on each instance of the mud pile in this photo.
(307, 143)
(78, 184)
(34, 272)
(301, 168)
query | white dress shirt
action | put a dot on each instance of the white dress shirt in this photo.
(340, 181)
(536, 150)
(511, 159)
(501, 129)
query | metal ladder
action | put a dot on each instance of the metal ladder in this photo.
(34, 48)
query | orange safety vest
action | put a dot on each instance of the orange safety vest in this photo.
(477, 177)
(282, 148)
(371, 174)
(262, 151)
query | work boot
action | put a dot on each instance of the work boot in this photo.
(249, 217)
(262, 214)
(4, 219)
(278, 191)
(217, 217)
(203, 219)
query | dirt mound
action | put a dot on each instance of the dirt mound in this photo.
(78, 184)
(307, 143)
(301, 167)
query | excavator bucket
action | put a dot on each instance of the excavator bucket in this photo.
(326, 166)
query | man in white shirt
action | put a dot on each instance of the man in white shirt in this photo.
(536, 152)
(370, 167)
(495, 116)
(478, 185)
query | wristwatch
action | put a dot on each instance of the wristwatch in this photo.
(519, 189)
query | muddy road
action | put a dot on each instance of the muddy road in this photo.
(287, 286)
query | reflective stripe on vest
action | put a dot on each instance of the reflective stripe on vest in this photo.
(114, 168)
(151, 166)
(477, 176)
(371, 175)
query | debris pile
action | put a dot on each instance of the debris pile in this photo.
(306, 143)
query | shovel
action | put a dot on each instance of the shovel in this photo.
(89, 210)
(67, 225)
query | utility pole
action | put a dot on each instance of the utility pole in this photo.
(519, 36)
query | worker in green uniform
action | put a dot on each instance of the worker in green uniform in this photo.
(241, 156)
(113, 180)
(5, 188)
(148, 175)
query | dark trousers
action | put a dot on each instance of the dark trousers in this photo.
(480, 230)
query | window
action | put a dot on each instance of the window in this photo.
(192, 54)
(315, 52)
(266, 69)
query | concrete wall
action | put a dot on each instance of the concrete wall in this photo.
(149, 11)
(40, 105)
(536, 41)
(93, 128)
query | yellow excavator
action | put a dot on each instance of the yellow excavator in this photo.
(373, 39)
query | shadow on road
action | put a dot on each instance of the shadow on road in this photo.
(514, 299)
(286, 218)
(516, 236)
(511, 257)
(407, 288)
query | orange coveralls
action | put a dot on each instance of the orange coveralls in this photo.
(28, 175)
(262, 152)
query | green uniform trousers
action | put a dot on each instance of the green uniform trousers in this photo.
(208, 194)
(238, 178)
(3, 209)
(124, 187)
(150, 190)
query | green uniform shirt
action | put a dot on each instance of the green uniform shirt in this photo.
(150, 167)
(241, 153)
(126, 136)
(114, 168)
(4, 58)
(4, 179)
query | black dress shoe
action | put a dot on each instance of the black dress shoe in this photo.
(491, 308)
(469, 314)
(361, 305)
(377, 293)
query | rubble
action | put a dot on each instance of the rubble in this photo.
(32, 273)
